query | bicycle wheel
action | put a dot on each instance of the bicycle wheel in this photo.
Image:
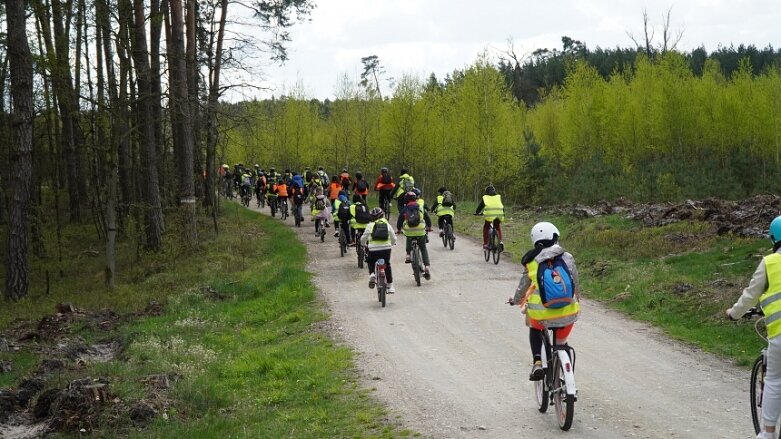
(494, 245)
(565, 404)
(757, 386)
(342, 243)
(416, 264)
(541, 393)
(451, 238)
(444, 235)
(359, 250)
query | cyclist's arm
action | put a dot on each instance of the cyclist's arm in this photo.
(392, 235)
(573, 269)
(366, 234)
(427, 219)
(523, 286)
(750, 297)
(480, 207)
(400, 220)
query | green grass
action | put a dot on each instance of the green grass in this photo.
(250, 363)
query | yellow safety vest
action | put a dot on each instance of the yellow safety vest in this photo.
(443, 210)
(337, 203)
(770, 301)
(493, 207)
(556, 317)
(377, 241)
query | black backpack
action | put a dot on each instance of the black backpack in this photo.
(380, 231)
(386, 179)
(447, 199)
(344, 212)
(413, 216)
(362, 214)
(361, 185)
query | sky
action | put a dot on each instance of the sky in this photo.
(420, 37)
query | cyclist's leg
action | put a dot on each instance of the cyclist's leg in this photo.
(498, 227)
(771, 397)
(536, 342)
(423, 250)
(485, 233)
(386, 254)
(408, 248)
(345, 225)
(441, 223)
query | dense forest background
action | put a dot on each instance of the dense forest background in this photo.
(113, 118)
(560, 125)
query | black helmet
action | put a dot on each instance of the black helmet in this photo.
(442, 190)
(384, 170)
(403, 171)
(490, 190)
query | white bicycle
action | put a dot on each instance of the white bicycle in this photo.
(558, 386)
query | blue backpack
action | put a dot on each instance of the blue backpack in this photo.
(555, 282)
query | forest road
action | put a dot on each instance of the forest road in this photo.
(451, 360)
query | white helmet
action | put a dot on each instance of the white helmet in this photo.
(544, 231)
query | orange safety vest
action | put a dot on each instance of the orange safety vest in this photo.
(282, 190)
(333, 191)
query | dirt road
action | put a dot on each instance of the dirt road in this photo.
(451, 360)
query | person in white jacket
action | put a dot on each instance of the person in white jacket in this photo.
(380, 237)
(764, 289)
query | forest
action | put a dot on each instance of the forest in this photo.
(115, 117)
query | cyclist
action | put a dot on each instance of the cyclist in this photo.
(341, 214)
(361, 186)
(445, 208)
(273, 175)
(246, 184)
(763, 290)
(345, 180)
(281, 191)
(545, 239)
(322, 177)
(361, 217)
(320, 208)
(379, 237)
(227, 176)
(260, 184)
(334, 189)
(271, 194)
(308, 174)
(384, 186)
(297, 180)
(493, 212)
(406, 184)
(415, 223)
(298, 197)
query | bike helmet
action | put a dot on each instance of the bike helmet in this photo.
(411, 196)
(545, 234)
(775, 230)
(490, 190)
(442, 189)
(376, 213)
(271, 169)
(403, 171)
(384, 170)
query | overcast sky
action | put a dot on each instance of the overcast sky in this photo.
(423, 36)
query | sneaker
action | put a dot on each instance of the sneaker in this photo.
(372, 280)
(501, 246)
(336, 234)
(408, 260)
(426, 274)
(485, 246)
(441, 233)
(391, 290)
(352, 244)
(537, 372)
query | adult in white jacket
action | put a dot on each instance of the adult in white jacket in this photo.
(380, 237)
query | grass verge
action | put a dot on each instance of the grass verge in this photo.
(241, 339)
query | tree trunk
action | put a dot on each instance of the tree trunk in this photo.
(153, 212)
(192, 92)
(182, 122)
(157, 11)
(20, 58)
(211, 110)
(124, 156)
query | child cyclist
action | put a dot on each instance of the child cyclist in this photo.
(415, 223)
(379, 237)
(539, 314)
(361, 217)
(763, 290)
(493, 212)
(445, 208)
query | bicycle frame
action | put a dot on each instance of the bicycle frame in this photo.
(564, 359)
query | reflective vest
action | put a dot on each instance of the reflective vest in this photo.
(443, 210)
(493, 207)
(376, 242)
(535, 310)
(282, 190)
(770, 300)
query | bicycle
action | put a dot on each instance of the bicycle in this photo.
(299, 216)
(417, 262)
(758, 371)
(386, 208)
(342, 242)
(245, 196)
(319, 229)
(272, 204)
(283, 209)
(261, 200)
(494, 249)
(362, 253)
(448, 238)
(558, 385)
(381, 281)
